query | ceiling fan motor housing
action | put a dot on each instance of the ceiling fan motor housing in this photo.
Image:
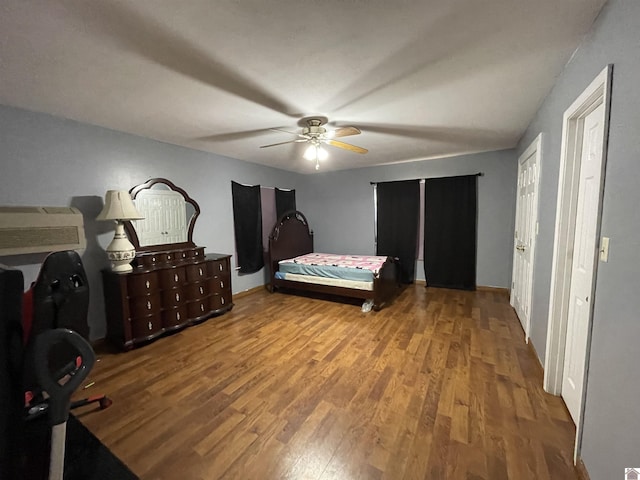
(314, 131)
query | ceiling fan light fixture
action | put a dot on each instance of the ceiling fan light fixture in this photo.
(322, 153)
(311, 152)
(315, 152)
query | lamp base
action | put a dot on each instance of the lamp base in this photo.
(121, 251)
(120, 265)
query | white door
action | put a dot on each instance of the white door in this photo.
(525, 233)
(584, 256)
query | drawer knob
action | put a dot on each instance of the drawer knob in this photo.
(200, 271)
(148, 285)
(148, 305)
(177, 315)
(222, 300)
(202, 307)
(221, 284)
(150, 326)
(201, 291)
(220, 267)
(175, 277)
(177, 297)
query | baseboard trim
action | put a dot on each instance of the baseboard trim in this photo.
(483, 288)
(582, 470)
(532, 349)
(250, 291)
(480, 288)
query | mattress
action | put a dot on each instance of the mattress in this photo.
(357, 268)
(334, 282)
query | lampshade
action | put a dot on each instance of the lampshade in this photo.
(315, 152)
(118, 206)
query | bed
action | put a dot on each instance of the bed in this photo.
(291, 240)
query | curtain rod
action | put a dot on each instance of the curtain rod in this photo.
(264, 186)
(479, 174)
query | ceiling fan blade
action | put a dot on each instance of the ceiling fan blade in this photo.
(290, 133)
(345, 132)
(231, 136)
(347, 146)
(282, 143)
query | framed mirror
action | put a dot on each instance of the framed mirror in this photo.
(169, 216)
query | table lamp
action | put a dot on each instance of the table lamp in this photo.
(119, 207)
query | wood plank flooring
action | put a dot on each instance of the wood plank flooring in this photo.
(439, 385)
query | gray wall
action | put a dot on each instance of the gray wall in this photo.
(342, 210)
(50, 161)
(611, 420)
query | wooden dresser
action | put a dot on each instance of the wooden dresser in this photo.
(167, 290)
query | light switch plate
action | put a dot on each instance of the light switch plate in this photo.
(604, 249)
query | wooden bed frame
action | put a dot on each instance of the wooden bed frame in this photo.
(291, 237)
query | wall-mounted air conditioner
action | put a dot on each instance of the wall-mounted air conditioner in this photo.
(40, 229)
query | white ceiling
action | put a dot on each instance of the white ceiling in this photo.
(421, 78)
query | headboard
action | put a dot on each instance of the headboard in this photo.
(289, 238)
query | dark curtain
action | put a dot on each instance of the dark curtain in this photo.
(450, 232)
(398, 205)
(247, 223)
(285, 201)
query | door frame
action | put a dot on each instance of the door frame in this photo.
(535, 146)
(599, 91)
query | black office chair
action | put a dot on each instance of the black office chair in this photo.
(59, 298)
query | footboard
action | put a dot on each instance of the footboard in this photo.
(386, 284)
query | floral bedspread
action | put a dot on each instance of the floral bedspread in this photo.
(371, 263)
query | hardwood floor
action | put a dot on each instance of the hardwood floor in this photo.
(439, 385)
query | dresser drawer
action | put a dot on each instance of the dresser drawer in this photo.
(172, 277)
(143, 306)
(173, 297)
(151, 260)
(218, 302)
(183, 256)
(219, 284)
(197, 272)
(218, 267)
(197, 290)
(198, 308)
(142, 327)
(142, 284)
(197, 253)
(175, 316)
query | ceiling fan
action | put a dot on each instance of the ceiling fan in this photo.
(315, 134)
